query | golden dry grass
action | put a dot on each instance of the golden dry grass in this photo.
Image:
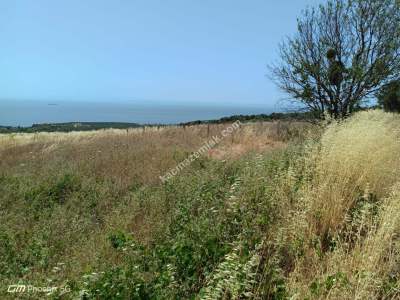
(136, 155)
(348, 217)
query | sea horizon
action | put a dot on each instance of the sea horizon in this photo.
(25, 113)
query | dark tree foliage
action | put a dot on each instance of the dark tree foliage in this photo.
(343, 53)
(68, 127)
(389, 97)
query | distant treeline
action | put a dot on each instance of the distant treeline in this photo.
(67, 127)
(299, 116)
(85, 126)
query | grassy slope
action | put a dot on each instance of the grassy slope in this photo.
(318, 219)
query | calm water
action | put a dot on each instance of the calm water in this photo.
(26, 113)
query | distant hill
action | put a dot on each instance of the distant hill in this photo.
(67, 127)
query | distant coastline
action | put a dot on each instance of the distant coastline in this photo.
(86, 126)
(25, 113)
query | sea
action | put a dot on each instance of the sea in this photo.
(28, 112)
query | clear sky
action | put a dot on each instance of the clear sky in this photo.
(200, 51)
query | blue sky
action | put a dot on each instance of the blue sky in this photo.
(210, 51)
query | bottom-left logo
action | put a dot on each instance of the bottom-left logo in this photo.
(22, 288)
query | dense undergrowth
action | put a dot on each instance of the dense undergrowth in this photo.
(319, 219)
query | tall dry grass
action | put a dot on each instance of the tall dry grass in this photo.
(358, 156)
(136, 155)
(347, 217)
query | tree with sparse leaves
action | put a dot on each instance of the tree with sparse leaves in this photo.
(344, 52)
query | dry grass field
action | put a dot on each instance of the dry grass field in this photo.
(273, 211)
(137, 155)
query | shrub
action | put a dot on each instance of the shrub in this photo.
(389, 97)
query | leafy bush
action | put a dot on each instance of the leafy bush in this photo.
(389, 97)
